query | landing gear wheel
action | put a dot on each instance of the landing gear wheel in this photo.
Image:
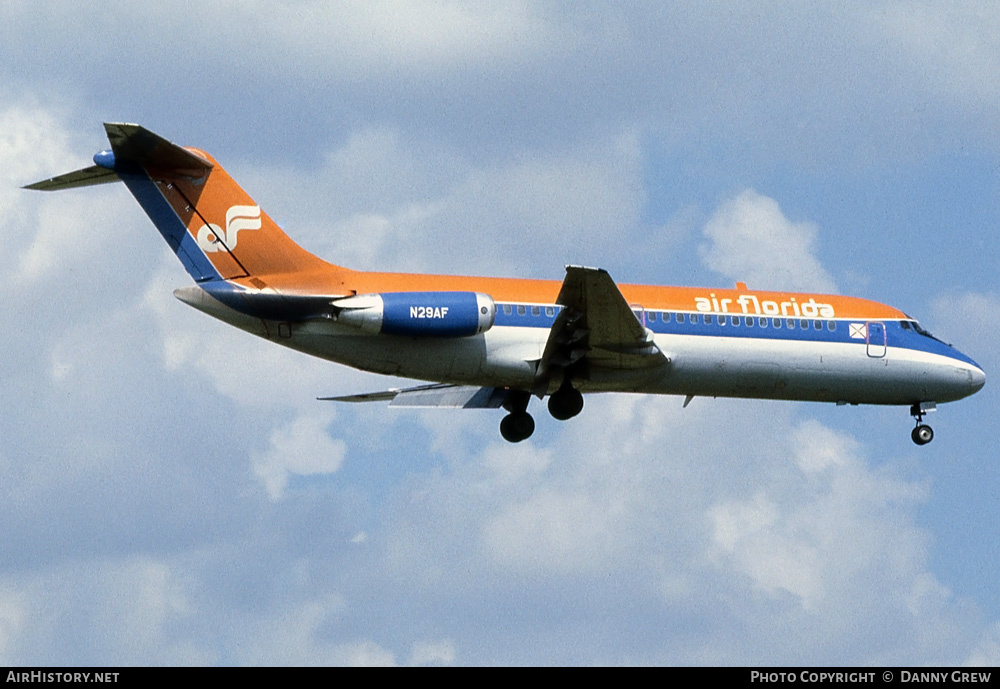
(517, 426)
(922, 434)
(565, 403)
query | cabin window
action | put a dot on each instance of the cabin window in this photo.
(651, 315)
(817, 325)
(735, 320)
(831, 326)
(804, 324)
(708, 319)
(550, 311)
(776, 322)
(694, 319)
(762, 322)
(790, 323)
(680, 318)
(521, 310)
(536, 310)
(748, 321)
(507, 309)
(666, 316)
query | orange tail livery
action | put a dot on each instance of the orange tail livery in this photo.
(486, 342)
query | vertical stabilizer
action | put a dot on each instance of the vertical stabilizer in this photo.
(213, 226)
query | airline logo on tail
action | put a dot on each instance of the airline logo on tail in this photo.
(212, 238)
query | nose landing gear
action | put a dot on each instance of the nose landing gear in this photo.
(923, 433)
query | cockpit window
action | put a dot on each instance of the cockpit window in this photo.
(919, 329)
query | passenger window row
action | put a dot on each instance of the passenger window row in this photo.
(697, 318)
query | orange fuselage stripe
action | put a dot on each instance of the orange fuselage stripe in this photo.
(340, 282)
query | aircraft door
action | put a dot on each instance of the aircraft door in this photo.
(876, 339)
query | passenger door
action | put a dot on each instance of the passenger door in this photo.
(876, 339)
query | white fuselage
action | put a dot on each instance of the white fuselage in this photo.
(815, 364)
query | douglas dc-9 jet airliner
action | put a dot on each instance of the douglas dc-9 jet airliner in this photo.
(485, 342)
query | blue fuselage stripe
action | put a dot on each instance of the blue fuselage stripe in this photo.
(543, 316)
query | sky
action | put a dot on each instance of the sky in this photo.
(171, 492)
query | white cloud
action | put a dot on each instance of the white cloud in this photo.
(751, 240)
(725, 500)
(150, 598)
(360, 654)
(987, 652)
(34, 145)
(436, 653)
(12, 619)
(137, 604)
(556, 531)
(952, 50)
(394, 35)
(300, 448)
(385, 202)
(971, 318)
(296, 636)
(815, 535)
(50, 234)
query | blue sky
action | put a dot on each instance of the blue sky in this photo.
(172, 493)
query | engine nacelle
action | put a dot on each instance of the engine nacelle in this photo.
(419, 314)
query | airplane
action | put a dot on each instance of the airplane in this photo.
(488, 342)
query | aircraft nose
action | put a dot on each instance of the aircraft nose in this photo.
(977, 378)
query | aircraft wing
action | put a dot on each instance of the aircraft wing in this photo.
(596, 328)
(435, 395)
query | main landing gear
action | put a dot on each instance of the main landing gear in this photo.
(564, 403)
(518, 424)
(923, 433)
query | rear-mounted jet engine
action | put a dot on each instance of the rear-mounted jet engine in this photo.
(418, 314)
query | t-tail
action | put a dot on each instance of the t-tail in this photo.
(228, 245)
(214, 227)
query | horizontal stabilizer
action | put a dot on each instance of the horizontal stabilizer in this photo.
(130, 145)
(454, 396)
(88, 176)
